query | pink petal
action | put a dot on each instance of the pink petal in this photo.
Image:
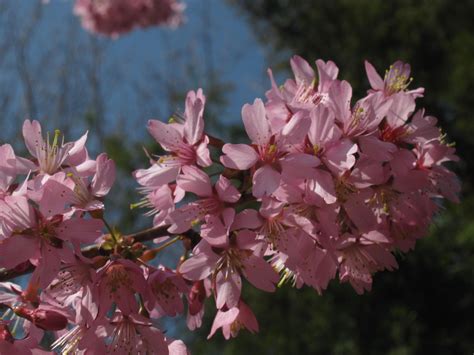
(54, 198)
(194, 124)
(198, 267)
(228, 289)
(322, 127)
(203, 157)
(226, 191)
(156, 175)
(85, 168)
(239, 156)
(402, 106)
(214, 231)
(368, 172)
(271, 207)
(340, 94)
(104, 176)
(247, 317)
(16, 250)
(302, 70)
(247, 240)
(165, 134)
(247, 219)
(195, 180)
(183, 217)
(177, 347)
(32, 135)
(374, 237)
(255, 122)
(277, 113)
(161, 198)
(327, 73)
(374, 78)
(80, 230)
(265, 181)
(340, 157)
(296, 129)
(377, 149)
(260, 273)
(323, 185)
(298, 166)
(223, 319)
(78, 151)
(359, 210)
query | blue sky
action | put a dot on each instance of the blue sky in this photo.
(236, 56)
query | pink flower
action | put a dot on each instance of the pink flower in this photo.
(242, 257)
(359, 261)
(397, 79)
(186, 143)
(234, 319)
(88, 193)
(74, 280)
(115, 17)
(118, 282)
(430, 157)
(300, 93)
(42, 235)
(134, 333)
(366, 114)
(52, 154)
(167, 288)
(217, 228)
(161, 201)
(82, 337)
(270, 155)
(214, 200)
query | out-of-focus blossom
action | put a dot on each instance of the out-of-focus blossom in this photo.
(116, 17)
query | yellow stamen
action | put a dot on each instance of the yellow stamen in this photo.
(316, 149)
(57, 133)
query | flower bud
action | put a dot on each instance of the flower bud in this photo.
(43, 318)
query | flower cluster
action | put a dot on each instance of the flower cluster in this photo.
(51, 206)
(328, 187)
(115, 17)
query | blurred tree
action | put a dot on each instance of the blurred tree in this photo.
(426, 306)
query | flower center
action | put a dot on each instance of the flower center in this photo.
(51, 155)
(396, 81)
(117, 277)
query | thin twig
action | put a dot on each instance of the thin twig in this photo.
(92, 251)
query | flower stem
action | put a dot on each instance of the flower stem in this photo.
(151, 254)
(110, 229)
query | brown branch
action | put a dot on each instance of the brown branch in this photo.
(93, 251)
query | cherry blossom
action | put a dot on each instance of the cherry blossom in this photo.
(329, 187)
